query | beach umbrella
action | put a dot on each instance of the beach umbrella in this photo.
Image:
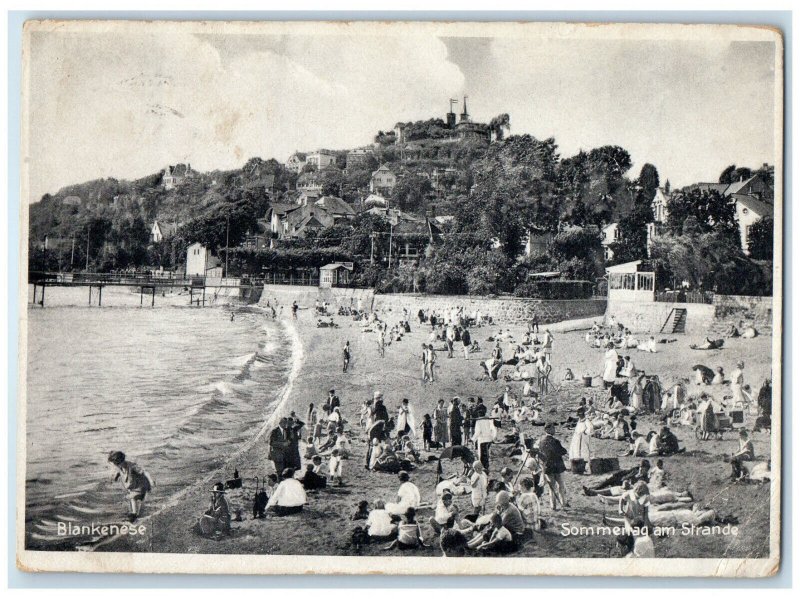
(456, 452)
(704, 371)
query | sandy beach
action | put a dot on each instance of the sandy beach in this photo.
(324, 527)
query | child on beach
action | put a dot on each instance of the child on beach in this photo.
(335, 467)
(136, 481)
(311, 449)
(427, 432)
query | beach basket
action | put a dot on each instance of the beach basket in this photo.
(603, 465)
(587, 381)
(578, 466)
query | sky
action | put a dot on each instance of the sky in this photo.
(126, 104)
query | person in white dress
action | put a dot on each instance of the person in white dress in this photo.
(407, 496)
(737, 382)
(610, 365)
(581, 448)
(406, 423)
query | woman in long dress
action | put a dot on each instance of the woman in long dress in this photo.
(737, 381)
(610, 365)
(580, 448)
(441, 430)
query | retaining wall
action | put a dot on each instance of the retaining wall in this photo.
(504, 309)
(649, 317)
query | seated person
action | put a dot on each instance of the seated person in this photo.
(749, 332)
(408, 496)
(452, 541)
(217, 518)
(706, 344)
(628, 369)
(379, 523)
(409, 534)
(746, 453)
(311, 449)
(408, 450)
(639, 447)
(732, 331)
(719, 377)
(495, 536)
(362, 511)
(529, 505)
(312, 481)
(445, 510)
(668, 442)
(289, 496)
(568, 376)
(649, 345)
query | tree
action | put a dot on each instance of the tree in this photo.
(713, 212)
(410, 192)
(731, 174)
(648, 181)
(760, 241)
(498, 126)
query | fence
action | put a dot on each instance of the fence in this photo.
(685, 297)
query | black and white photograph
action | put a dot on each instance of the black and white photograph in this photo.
(400, 298)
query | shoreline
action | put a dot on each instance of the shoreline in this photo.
(175, 501)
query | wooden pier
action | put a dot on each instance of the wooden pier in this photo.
(95, 282)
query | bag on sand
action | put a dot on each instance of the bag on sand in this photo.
(603, 465)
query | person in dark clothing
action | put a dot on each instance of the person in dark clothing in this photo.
(333, 400)
(764, 420)
(466, 341)
(312, 481)
(632, 475)
(668, 442)
(480, 409)
(279, 443)
(456, 422)
(551, 454)
(292, 450)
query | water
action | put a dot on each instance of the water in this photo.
(176, 388)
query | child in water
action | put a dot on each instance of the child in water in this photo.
(136, 481)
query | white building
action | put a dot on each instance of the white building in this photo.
(610, 234)
(200, 262)
(383, 181)
(321, 160)
(296, 162)
(749, 211)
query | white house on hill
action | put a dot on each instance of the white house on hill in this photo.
(200, 262)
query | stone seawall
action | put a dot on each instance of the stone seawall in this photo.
(501, 309)
(712, 319)
(742, 308)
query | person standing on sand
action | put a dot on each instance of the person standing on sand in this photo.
(466, 341)
(346, 356)
(610, 366)
(381, 341)
(137, 482)
(431, 362)
(279, 443)
(551, 454)
(406, 423)
(294, 310)
(456, 422)
(441, 429)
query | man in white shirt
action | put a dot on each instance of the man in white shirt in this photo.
(485, 434)
(407, 496)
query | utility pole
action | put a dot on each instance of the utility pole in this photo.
(88, 236)
(227, 239)
(391, 229)
(372, 248)
(72, 253)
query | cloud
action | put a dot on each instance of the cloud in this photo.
(127, 105)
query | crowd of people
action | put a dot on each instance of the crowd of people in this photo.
(484, 509)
